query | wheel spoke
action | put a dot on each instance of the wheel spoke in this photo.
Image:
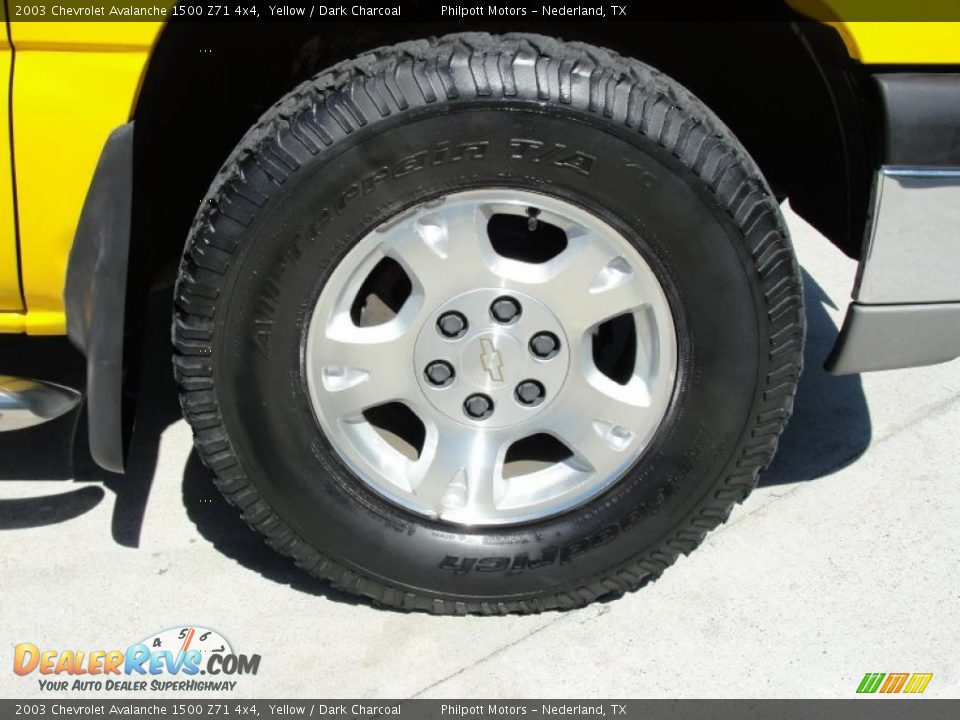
(440, 465)
(460, 472)
(368, 367)
(441, 249)
(590, 284)
(599, 424)
(608, 303)
(484, 475)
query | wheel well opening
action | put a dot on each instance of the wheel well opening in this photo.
(207, 84)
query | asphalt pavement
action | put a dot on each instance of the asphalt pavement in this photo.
(844, 561)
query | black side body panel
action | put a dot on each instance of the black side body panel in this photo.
(921, 112)
(96, 292)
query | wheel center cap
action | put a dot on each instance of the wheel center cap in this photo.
(492, 358)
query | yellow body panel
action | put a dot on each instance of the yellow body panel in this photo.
(9, 280)
(76, 81)
(904, 42)
(85, 36)
(901, 43)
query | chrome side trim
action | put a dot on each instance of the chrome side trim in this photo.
(887, 337)
(912, 252)
(24, 403)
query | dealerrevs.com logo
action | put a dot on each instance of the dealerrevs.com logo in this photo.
(172, 660)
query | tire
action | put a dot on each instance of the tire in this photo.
(368, 139)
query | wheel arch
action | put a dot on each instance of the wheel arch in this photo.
(787, 90)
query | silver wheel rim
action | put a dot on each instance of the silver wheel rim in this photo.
(461, 472)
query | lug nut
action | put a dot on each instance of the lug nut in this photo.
(505, 309)
(478, 407)
(439, 373)
(452, 324)
(544, 345)
(530, 393)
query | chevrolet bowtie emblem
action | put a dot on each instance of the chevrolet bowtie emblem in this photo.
(491, 360)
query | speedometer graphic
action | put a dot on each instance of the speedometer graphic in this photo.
(189, 637)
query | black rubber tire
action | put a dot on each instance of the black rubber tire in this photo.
(358, 143)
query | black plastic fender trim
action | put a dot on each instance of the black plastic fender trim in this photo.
(921, 118)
